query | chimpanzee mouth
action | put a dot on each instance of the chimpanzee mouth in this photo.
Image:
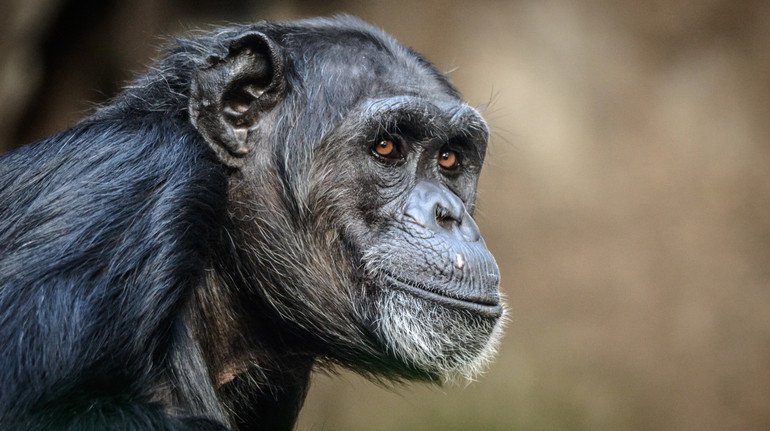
(488, 305)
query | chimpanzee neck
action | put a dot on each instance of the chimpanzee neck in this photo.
(259, 376)
(270, 397)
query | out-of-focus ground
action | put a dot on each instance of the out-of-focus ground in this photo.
(626, 195)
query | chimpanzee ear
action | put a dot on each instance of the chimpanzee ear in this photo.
(229, 94)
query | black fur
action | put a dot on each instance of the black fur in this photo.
(159, 271)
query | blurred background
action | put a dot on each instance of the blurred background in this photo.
(626, 194)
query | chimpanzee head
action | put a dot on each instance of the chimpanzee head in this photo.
(354, 167)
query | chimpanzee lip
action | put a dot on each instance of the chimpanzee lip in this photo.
(488, 306)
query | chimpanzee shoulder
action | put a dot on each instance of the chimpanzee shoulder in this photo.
(133, 204)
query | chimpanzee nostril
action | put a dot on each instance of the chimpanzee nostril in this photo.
(444, 218)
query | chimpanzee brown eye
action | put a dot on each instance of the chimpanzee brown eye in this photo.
(388, 149)
(449, 160)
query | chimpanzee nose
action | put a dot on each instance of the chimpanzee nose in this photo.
(438, 209)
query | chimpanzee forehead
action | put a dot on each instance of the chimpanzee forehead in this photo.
(363, 61)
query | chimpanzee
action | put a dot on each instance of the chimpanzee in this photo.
(267, 200)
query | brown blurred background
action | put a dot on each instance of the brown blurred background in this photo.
(626, 195)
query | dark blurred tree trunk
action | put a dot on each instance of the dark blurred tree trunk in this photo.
(58, 58)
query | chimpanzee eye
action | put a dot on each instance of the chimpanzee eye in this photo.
(449, 160)
(388, 149)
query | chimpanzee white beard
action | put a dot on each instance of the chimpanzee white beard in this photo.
(452, 344)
